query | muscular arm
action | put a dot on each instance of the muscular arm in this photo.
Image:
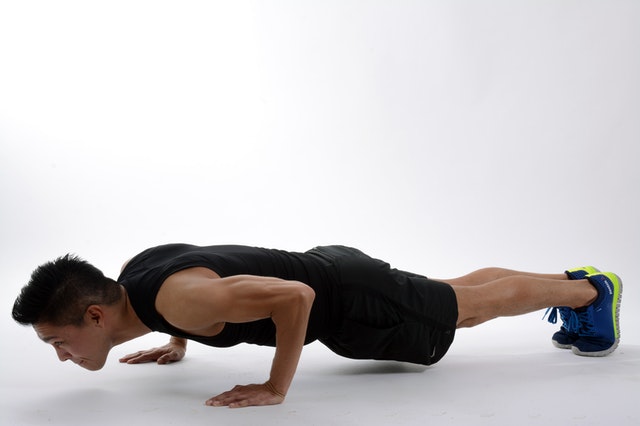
(197, 301)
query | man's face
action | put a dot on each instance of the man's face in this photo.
(86, 345)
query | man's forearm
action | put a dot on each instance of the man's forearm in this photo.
(291, 329)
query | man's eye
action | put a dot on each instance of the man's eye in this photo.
(57, 344)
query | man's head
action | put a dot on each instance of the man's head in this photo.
(64, 302)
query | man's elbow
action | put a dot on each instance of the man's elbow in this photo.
(306, 295)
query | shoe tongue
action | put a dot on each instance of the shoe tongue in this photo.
(576, 274)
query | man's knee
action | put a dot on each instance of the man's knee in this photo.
(471, 310)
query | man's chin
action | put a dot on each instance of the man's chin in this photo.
(90, 366)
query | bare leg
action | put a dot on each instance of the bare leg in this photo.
(511, 295)
(486, 275)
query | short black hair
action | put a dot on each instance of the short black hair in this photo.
(60, 292)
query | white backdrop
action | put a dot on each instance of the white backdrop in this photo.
(440, 136)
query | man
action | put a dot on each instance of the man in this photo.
(356, 305)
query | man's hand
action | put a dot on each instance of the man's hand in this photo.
(249, 395)
(171, 352)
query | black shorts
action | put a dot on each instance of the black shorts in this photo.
(389, 314)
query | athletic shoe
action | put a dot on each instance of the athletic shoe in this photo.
(599, 331)
(581, 273)
(568, 333)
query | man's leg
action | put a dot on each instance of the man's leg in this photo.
(486, 275)
(516, 294)
(593, 302)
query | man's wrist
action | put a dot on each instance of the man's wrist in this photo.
(178, 341)
(271, 388)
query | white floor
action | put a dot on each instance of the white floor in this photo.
(505, 372)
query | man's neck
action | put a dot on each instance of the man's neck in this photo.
(128, 325)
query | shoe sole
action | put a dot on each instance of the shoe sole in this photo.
(617, 295)
(560, 345)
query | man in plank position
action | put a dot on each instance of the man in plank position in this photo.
(357, 306)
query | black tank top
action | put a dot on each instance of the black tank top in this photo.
(144, 274)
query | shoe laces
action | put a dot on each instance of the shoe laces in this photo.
(571, 320)
(553, 316)
(586, 323)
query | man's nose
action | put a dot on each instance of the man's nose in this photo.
(62, 354)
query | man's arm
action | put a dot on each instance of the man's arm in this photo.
(197, 301)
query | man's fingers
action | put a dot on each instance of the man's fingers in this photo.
(244, 396)
(223, 399)
(129, 357)
(160, 356)
(166, 358)
(139, 357)
(133, 360)
(241, 403)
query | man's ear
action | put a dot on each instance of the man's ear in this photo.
(94, 315)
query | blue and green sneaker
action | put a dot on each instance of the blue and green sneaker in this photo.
(568, 333)
(599, 332)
